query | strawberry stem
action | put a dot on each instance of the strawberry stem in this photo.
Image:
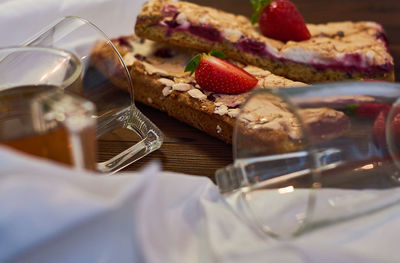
(217, 54)
(351, 109)
(258, 6)
(195, 61)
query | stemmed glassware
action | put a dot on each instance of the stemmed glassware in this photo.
(315, 155)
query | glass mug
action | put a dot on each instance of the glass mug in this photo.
(36, 115)
(311, 156)
(115, 107)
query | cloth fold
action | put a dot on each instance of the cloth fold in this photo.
(20, 20)
(51, 213)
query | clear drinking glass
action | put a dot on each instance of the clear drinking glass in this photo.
(310, 156)
(36, 115)
(115, 107)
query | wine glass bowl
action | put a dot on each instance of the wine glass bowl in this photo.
(319, 154)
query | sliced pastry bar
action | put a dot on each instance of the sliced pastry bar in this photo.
(335, 51)
(159, 81)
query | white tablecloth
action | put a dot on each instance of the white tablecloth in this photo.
(49, 213)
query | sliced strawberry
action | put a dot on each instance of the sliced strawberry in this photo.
(215, 74)
(280, 19)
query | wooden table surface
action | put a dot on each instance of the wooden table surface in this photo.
(187, 150)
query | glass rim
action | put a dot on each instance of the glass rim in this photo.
(55, 51)
(104, 35)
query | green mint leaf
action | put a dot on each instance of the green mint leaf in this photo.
(193, 63)
(217, 54)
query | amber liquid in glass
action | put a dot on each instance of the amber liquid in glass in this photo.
(52, 145)
(17, 131)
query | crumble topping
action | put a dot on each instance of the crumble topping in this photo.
(166, 91)
(170, 70)
(271, 114)
(221, 110)
(315, 114)
(128, 59)
(233, 113)
(197, 94)
(359, 44)
(233, 35)
(151, 70)
(182, 87)
(166, 82)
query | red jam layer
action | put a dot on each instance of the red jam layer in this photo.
(259, 48)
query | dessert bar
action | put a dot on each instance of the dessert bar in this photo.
(159, 80)
(335, 51)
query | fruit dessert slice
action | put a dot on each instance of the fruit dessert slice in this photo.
(335, 51)
(159, 79)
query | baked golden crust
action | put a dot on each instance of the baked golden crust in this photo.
(336, 51)
(181, 106)
(159, 80)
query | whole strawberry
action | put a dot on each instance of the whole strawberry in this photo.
(370, 110)
(371, 80)
(379, 130)
(213, 73)
(395, 130)
(279, 19)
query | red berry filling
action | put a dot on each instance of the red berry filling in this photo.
(351, 63)
(252, 46)
(206, 32)
(325, 127)
(164, 53)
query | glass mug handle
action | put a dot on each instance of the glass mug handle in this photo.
(115, 109)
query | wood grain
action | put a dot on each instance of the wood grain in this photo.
(187, 150)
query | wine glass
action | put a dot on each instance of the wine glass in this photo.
(315, 155)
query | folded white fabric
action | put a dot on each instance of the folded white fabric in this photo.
(50, 213)
(22, 19)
